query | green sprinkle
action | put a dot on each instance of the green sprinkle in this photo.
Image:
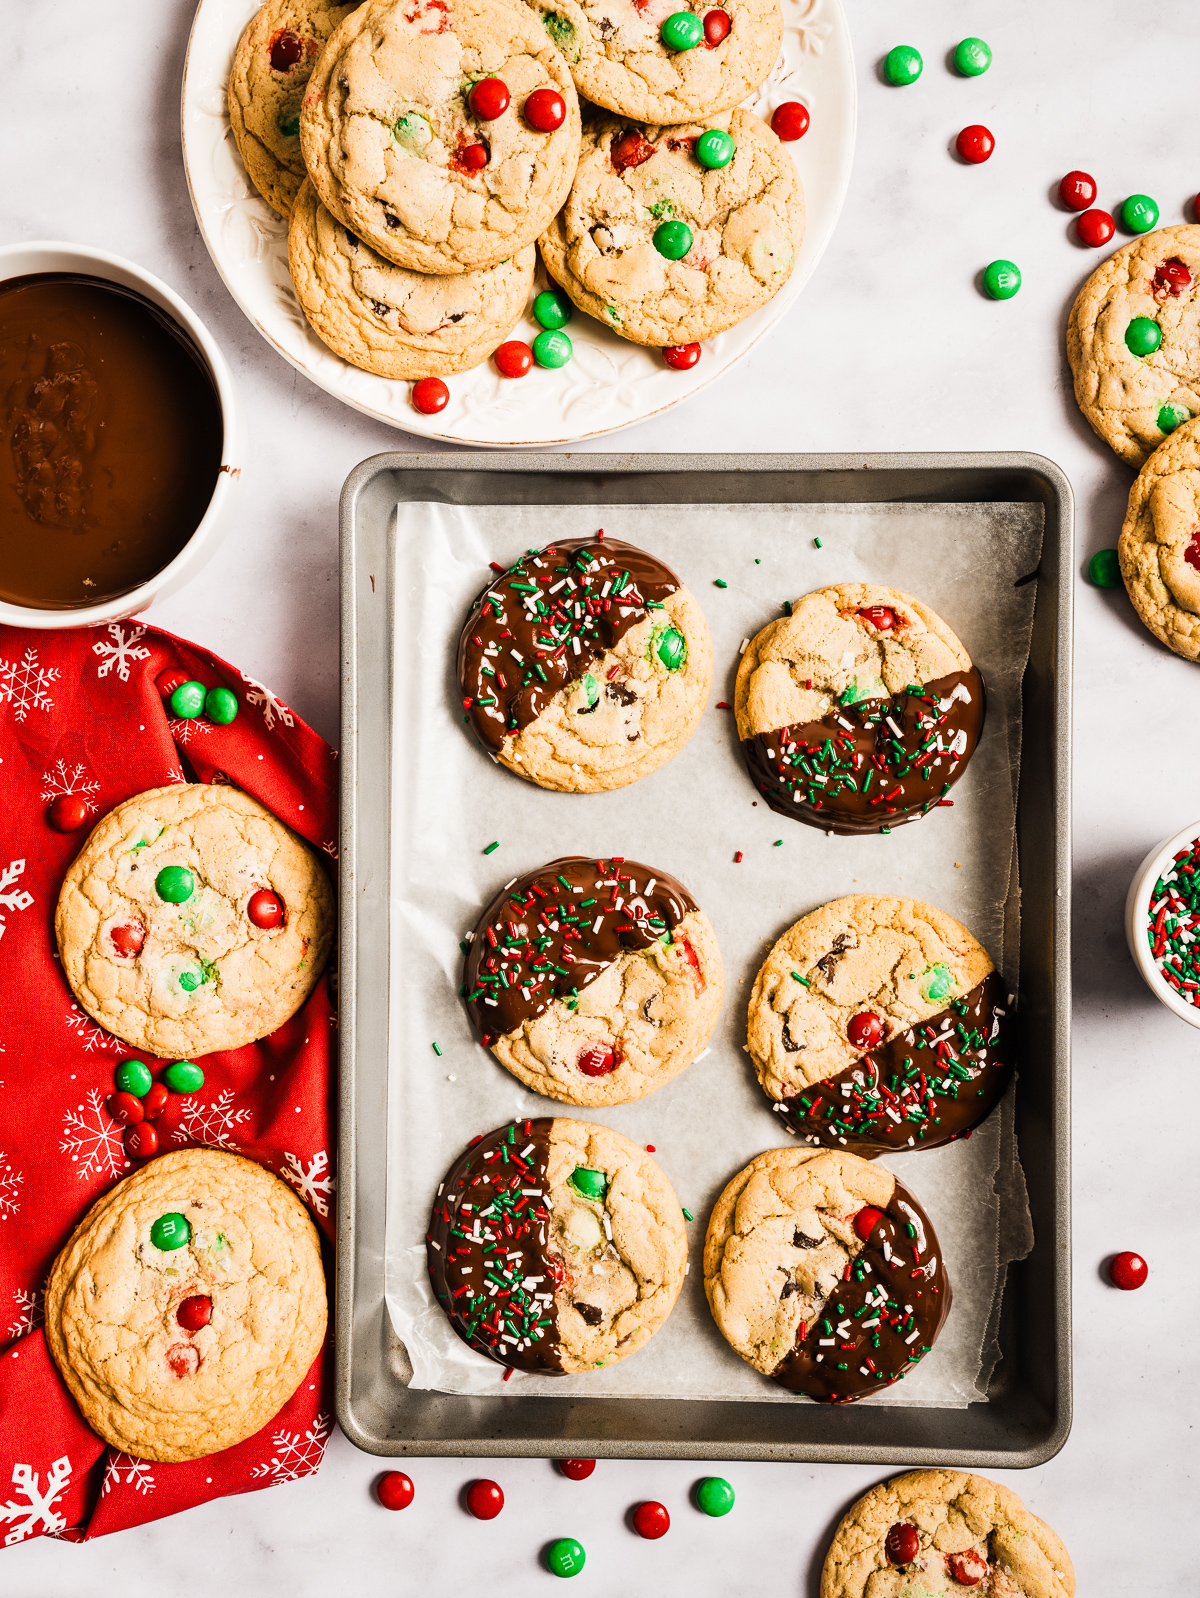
(687, 1214)
(816, 543)
(437, 1050)
(719, 582)
(492, 846)
(779, 843)
(799, 978)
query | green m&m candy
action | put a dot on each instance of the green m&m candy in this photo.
(714, 1495)
(1002, 279)
(175, 884)
(552, 348)
(412, 131)
(133, 1077)
(902, 65)
(673, 239)
(972, 57)
(1104, 568)
(565, 1557)
(1143, 336)
(671, 648)
(1171, 416)
(220, 705)
(683, 30)
(714, 149)
(1139, 214)
(289, 126)
(188, 700)
(170, 1232)
(184, 1077)
(552, 309)
(592, 1184)
(189, 980)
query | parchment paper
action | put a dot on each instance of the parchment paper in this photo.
(449, 801)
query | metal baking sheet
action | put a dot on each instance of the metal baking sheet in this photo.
(1027, 1415)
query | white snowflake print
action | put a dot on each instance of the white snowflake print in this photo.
(123, 1469)
(10, 1182)
(331, 849)
(63, 780)
(184, 728)
(23, 684)
(30, 1311)
(88, 1033)
(271, 706)
(121, 651)
(313, 1182)
(211, 1124)
(92, 1139)
(295, 1454)
(15, 900)
(37, 1512)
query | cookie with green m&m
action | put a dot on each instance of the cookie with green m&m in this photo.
(1133, 341)
(585, 665)
(556, 1247)
(271, 67)
(879, 1024)
(594, 981)
(193, 920)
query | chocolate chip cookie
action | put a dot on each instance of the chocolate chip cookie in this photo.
(594, 981)
(1159, 547)
(824, 1273)
(556, 1246)
(160, 928)
(585, 666)
(188, 1305)
(857, 711)
(878, 1023)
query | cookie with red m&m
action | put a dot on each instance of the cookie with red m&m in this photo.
(1133, 341)
(858, 710)
(188, 1305)
(880, 1023)
(824, 1273)
(940, 1531)
(193, 920)
(556, 1246)
(1159, 547)
(594, 981)
(585, 666)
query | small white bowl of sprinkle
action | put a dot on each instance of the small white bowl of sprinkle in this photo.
(1162, 923)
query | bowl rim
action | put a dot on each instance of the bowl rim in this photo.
(1137, 909)
(91, 261)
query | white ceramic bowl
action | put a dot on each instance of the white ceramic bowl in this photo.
(1137, 911)
(17, 260)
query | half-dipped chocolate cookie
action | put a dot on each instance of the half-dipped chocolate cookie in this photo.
(878, 1023)
(556, 1246)
(824, 1273)
(585, 666)
(858, 711)
(594, 981)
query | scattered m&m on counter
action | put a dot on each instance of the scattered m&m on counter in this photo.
(394, 1490)
(790, 121)
(714, 1496)
(1095, 228)
(513, 359)
(1128, 1271)
(1001, 280)
(576, 1469)
(552, 309)
(1139, 214)
(430, 395)
(975, 144)
(565, 1557)
(972, 57)
(1104, 569)
(1077, 190)
(651, 1521)
(902, 65)
(485, 1499)
(681, 357)
(552, 348)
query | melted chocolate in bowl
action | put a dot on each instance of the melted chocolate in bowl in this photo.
(110, 440)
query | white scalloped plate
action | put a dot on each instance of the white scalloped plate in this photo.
(609, 383)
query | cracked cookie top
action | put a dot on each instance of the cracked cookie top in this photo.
(400, 156)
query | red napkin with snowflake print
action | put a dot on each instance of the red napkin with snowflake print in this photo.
(80, 713)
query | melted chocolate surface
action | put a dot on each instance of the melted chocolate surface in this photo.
(548, 934)
(487, 1248)
(873, 764)
(924, 1087)
(881, 1319)
(545, 621)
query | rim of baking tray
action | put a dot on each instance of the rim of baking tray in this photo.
(422, 426)
(1137, 914)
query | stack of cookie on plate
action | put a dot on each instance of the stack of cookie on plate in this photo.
(421, 148)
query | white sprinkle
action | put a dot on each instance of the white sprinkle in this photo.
(470, 937)
(556, 586)
(438, 1246)
(597, 923)
(575, 645)
(827, 1342)
(650, 886)
(745, 644)
(508, 885)
(914, 1336)
(604, 591)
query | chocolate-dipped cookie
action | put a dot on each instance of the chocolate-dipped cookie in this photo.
(858, 711)
(880, 1023)
(585, 666)
(594, 981)
(824, 1273)
(556, 1246)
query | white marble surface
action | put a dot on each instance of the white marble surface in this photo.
(891, 347)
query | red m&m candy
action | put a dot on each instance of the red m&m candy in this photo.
(195, 1312)
(1095, 228)
(474, 157)
(286, 49)
(488, 99)
(681, 357)
(545, 110)
(865, 1222)
(1128, 1271)
(265, 909)
(485, 1499)
(598, 1059)
(126, 1109)
(430, 395)
(140, 1141)
(513, 359)
(650, 1520)
(576, 1469)
(902, 1544)
(865, 1029)
(716, 27)
(68, 813)
(975, 144)
(167, 681)
(394, 1490)
(154, 1101)
(790, 121)
(882, 617)
(128, 939)
(1077, 190)
(968, 1568)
